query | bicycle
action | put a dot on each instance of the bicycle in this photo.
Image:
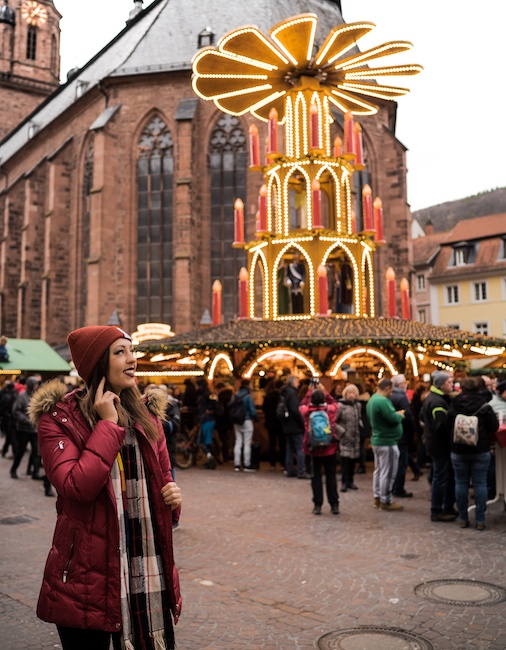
(189, 451)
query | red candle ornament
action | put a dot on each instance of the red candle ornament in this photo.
(316, 202)
(238, 222)
(353, 222)
(367, 209)
(391, 297)
(217, 301)
(243, 293)
(254, 146)
(405, 301)
(323, 290)
(272, 129)
(348, 133)
(338, 146)
(357, 144)
(378, 220)
(262, 209)
(314, 131)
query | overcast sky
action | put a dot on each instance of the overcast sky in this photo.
(452, 123)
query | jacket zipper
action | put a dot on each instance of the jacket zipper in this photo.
(67, 567)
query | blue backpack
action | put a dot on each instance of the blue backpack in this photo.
(320, 431)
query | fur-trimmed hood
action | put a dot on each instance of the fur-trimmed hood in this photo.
(52, 392)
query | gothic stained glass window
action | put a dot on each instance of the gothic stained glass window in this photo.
(85, 223)
(228, 168)
(155, 178)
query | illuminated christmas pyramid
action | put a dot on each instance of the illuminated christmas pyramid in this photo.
(313, 248)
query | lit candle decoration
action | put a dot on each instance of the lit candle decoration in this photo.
(273, 131)
(243, 293)
(314, 133)
(323, 290)
(217, 297)
(378, 220)
(254, 146)
(266, 150)
(357, 144)
(316, 201)
(338, 146)
(262, 209)
(391, 298)
(405, 302)
(238, 222)
(367, 209)
(348, 133)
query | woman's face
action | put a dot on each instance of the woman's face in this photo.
(122, 365)
(351, 395)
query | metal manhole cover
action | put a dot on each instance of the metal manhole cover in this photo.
(373, 638)
(20, 519)
(461, 592)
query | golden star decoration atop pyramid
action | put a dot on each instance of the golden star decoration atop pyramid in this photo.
(249, 71)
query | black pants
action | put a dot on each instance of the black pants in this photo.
(276, 435)
(347, 470)
(75, 639)
(23, 438)
(328, 464)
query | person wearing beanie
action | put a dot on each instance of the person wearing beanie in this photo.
(110, 573)
(434, 415)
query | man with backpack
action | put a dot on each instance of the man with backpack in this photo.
(242, 412)
(320, 443)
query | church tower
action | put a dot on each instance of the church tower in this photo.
(29, 57)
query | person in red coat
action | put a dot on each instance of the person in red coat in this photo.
(322, 457)
(110, 571)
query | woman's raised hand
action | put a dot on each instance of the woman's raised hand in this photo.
(105, 403)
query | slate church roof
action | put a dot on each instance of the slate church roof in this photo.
(164, 37)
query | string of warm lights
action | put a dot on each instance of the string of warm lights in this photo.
(410, 356)
(358, 351)
(277, 352)
(217, 359)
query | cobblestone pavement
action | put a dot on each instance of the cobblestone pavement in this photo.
(260, 571)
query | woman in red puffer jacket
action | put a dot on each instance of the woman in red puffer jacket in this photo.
(321, 457)
(110, 571)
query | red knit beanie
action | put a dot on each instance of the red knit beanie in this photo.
(88, 344)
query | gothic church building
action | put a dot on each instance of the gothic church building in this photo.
(117, 187)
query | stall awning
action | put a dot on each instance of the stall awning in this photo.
(32, 355)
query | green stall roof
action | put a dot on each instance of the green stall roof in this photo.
(33, 355)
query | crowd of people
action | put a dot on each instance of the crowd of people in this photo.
(405, 429)
(108, 449)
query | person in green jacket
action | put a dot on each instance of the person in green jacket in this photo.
(386, 426)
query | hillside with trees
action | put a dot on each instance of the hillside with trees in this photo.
(445, 215)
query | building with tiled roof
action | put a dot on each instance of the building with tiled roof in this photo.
(117, 190)
(424, 250)
(468, 275)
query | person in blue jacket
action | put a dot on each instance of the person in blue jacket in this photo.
(244, 430)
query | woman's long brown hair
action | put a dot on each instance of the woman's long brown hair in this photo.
(131, 410)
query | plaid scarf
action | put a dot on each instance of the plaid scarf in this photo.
(145, 610)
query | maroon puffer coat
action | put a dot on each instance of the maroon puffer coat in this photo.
(81, 585)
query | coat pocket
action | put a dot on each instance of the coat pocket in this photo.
(65, 547)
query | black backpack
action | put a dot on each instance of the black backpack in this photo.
(282, 411)
(237, 410)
